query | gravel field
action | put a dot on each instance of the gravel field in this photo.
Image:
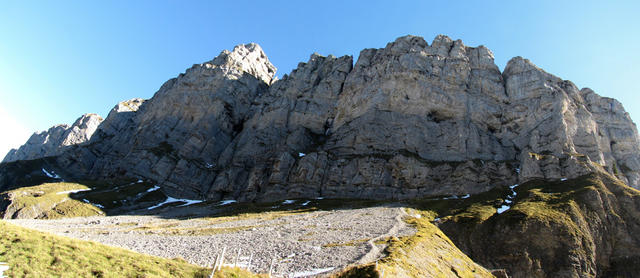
(298, 244)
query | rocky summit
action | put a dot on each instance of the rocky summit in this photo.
(404, 121)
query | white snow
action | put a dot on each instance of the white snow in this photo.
(563, 179)
(226, 202)
(73, 191)
(312, 272)
(301, 154)
(518, 170)
(97, 205)
(189, 202)
(154, 188)
(306, 203)
(450, 197)
(208, 165)
(466, 196)
(319, 198)
(174, 200)
(140, 181)
(509, 200)
(436, 219)
(3, 267)
(503, 208)
(51, 174)
(288, 202)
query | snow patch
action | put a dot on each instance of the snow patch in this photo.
(73, 191)
(187, 202)
(301, 154)
(306, 203)
(51, 174)
(95, 205)
(208, 165)
(312, 272)
(226, 202)
(154, 188)
(3, 267)
(563, 179)
(140, 181)
(319, 198)
(465, 196)
(503, 208)
(509, 200)
(288, 202)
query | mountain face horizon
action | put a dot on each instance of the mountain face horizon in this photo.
(405, 121)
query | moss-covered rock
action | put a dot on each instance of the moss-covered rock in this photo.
(584, 227)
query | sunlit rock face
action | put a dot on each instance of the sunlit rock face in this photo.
(408, 120)
(56, 139)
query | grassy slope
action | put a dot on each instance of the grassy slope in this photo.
(43, 201)
(35, 254)
(428, 253)
(32, 253)
(582, 227)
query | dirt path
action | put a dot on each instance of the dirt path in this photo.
(297, 242)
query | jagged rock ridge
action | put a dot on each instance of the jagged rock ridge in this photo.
(405, 121)
(56, 139)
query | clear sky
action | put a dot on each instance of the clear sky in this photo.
(61, 59)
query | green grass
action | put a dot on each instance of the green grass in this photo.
(31, 253)
(43, 201)
(428, 253)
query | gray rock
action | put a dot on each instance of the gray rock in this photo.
(405, 121)
(56, 139)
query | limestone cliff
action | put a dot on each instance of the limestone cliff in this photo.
(407, 120)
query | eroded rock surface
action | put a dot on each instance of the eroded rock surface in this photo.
(407, 120)
(56, 139)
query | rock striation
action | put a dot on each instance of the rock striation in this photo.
(408, 120)
(56, 139)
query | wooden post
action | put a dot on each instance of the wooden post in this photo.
(249, 263)
(215, 264)
(271, 267)
(235, 263)
(224, 249)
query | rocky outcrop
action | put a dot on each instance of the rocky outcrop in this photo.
(407, 120)
(56, 139)
(583, 227)
(181, 131)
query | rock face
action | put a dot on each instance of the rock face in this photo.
(56, 139)
(584, 227)
(407, 120)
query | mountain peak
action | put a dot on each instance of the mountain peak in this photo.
(248, 58)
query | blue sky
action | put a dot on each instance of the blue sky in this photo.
(61, 59)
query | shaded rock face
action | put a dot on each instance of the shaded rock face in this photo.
(584, 227)
(405, 121)
(176, 137)
(56, 139)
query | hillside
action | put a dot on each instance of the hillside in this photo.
(35, 254)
